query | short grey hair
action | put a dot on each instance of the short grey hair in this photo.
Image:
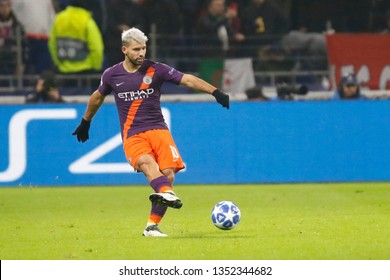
(134, 34)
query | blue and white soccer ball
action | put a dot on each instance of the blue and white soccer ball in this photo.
(225, 215)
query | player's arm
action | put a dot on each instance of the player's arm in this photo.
(198, 84)
(95, 101)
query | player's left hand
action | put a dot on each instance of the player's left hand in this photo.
(222, 98)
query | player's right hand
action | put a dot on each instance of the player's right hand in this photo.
(222, 98)
(82, 131)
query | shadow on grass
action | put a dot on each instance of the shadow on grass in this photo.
(212, 236)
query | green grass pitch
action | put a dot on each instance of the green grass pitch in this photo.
(279, 222)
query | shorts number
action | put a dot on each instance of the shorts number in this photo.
(175, 153)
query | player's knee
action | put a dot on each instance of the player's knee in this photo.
(145, 163)
(149, 167)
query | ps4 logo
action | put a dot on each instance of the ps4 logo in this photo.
(86, 164)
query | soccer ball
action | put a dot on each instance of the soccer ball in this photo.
(225, 215)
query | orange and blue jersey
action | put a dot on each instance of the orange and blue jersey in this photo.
(137, 95)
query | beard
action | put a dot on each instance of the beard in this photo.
(135, 62)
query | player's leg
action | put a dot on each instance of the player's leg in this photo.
(165, 195)
(169, 161)
(159, 200)
(140, 156)
(163, 198)
(170, 174)
(161, 184)
(147, 164)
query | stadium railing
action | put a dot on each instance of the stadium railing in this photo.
(273, 63)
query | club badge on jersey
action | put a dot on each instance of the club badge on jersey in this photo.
(147, 80)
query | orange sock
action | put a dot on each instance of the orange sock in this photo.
(154, 219)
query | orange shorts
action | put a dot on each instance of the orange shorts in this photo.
(159, 144)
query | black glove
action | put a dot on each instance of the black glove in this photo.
(82, 131)
(222, 98)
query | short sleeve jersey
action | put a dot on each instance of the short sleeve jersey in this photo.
(137, 95)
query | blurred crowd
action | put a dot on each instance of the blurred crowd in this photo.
(86, 33)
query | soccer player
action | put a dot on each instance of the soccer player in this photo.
(147, 142)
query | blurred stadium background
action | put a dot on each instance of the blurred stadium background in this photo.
(279, 140)
(318, 167)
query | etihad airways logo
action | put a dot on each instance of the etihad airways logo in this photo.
(135, 95)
